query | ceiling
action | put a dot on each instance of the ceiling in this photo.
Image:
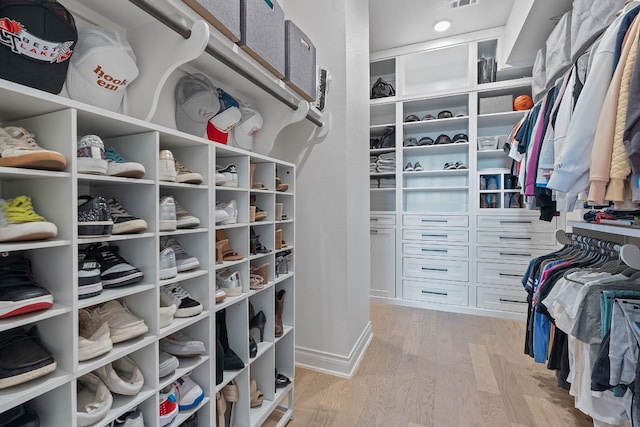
(411, 21)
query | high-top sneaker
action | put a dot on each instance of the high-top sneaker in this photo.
(94, 217)
(19, 293)
(89, 281)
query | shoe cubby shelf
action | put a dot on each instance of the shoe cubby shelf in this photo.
(431, 216)
(57, 124)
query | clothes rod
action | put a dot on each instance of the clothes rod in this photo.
(186, 32)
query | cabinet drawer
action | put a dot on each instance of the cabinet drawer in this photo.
(436, 220)
(441, 269)
(504, 254)
(502, 299)
(495, 273)
(435, 250)
(461, 236)
(382, 220)
(516, 238)
(524, 223)
(432, 292)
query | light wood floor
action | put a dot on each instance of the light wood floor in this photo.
(437, 369)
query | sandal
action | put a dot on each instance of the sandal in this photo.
(257, 397)
(260, 215)
(279, 242)
(255, 185)
(256, 282)
(262, 271)
(221, 409)
(280, 186)
(231, 395)
(256, 246)
(224, 251)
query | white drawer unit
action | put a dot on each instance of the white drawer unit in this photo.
(511, 300)
(509, 254)
(381, 220)
(496, 273)
(510, 239)
(524, 223)
(443, 293)
(441, 269)
(437, 235)
(436, 220)
(435, 250)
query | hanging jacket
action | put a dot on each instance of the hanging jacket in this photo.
(632, 127)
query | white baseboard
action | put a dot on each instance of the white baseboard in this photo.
(335, 364)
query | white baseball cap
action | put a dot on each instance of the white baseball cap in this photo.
(250, 123)
(229, 113)
(196, 102)
(103, 64)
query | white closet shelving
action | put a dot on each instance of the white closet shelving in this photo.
(145, 128)
(452, 224)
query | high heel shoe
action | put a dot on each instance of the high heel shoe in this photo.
(255, 185)
(262, 271)
(258, 321)
(282, 263)
(224, 251)
(256, 246)
(253, 347)
(279, 328)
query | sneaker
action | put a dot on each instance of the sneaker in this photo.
(91, 157)
(186, 175)
(19, 293)
(492, 183)
(231, 210)
(94, 400)
(119, 166)
(182, 345)
(187, 306)
(19, 221)
(94, 337)
(184, 261)
(94, 217)
(167, 310)
(123, 325)
(450, 166)
(461, 165)
(483, 183)
(89, 281)
(168, 219)
(21, 416)
(114, 270)
(184, 219)
(418, 167)
(23, 357)
(189, 393)
(129, 419)
(192, 421)
(229, 282)
(230, 174)
(168, 364)
(123, 221)
(122, 376)
(220, 294)
(166, 166)
(408, 167)
(168, 267)
(168, 403)
(221, 215)
(18, 149)
(220, 179)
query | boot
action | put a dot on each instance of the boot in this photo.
(231, 360)
(279, 307)
(219, 357)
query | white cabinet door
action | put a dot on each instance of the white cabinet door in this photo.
(383, 262)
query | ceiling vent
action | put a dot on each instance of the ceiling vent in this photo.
(455, 4)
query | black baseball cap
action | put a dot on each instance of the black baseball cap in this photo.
(425, 140)
(445, 114)
(37, 38)
(443, 139)
(412, 118)
(460, 137)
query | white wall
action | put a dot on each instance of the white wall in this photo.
(332, 193)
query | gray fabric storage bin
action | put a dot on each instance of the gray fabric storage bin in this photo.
(262, 33)
(558, 46)
(496, 104)
(539, 73)
(224, 15)
(590, 19)
(300, 62)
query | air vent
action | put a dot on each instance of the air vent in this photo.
(455, 4)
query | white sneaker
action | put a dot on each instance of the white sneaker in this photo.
(91, 157)
(94, 400)
(168, 219)
(94, 337)
(231, 210)
(19, 221)
(168, 404)
(184, 261)
(168, 363)
(119, 166)
(186, 175)
(220, 179)
(123, 325)
(187, 306)
(184, 218)
(18, 149)
(166, 166)
(230, 174)
(122, 376)
(189, 393)
(167, 310)
(229, 282)
(168, 267)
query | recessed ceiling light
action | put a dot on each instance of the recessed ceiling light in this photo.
(442, 25)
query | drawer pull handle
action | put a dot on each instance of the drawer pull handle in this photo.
(444, 270)
(444, 294)
(435, 235)
(435, 250)
(510, 275)
(515, 222)
(374, 231)
(375, 219)
(513, 254)
(434, 220)
(514, 238)
(512, 300)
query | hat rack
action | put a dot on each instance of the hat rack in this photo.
(629, 253)
(183, 53)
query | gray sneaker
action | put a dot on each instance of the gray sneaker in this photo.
(168, 267)
(184, 261)
(168, 364)
(182, 345)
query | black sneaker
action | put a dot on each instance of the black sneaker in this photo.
(20, 416)
(23, 357)
(114, 270)
(123, 221)
(19, 293)
(94, 217)
(89, 281)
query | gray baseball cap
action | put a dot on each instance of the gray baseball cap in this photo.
(196, 102)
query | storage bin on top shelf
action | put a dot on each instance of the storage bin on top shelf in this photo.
(224, 15)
